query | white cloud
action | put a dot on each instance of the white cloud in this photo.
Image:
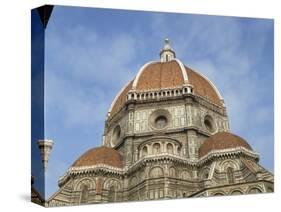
(76, 105)
(230, 56)
(74, 74)
(103, 59)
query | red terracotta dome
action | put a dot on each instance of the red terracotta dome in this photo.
(100, 155)
(171, 74)
(168, 73)
(220, 141)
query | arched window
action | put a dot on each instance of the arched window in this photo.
(172, 172)
(111, 194)
(116, 135)
(185, 175)
(161, 122)
(134, 181)
(156, 172)
(255, 191)
(170, 148)
(236, 192)
(144, 151)
(230, 175)
(156, 148)
(84, 194)
(218, 194)
(205, 174)
(209, 123)
(178, 150)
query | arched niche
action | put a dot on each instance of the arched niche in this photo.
(133, 181)
(230, 175)
(156, 172)
(172, 172)
(112, 187)
(170, 148)
(218, 194)
(116, 134)
(156, 148)
(84, 196)
(185, 175)
(204, 175)
(90, 183)
(144, 151)
(236, 192)
(112, 182)
(254, 190)
(229, 163)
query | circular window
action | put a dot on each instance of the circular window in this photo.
(159, 119)
(116, 135)
(161, 122)
(208, 122)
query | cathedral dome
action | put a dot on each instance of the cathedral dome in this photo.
(168, 73)
(221, 141)
(100, 155)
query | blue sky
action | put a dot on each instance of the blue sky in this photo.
(37, 100)
(91, 53)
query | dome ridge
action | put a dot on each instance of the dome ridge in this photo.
(117, 96)
(210, 82)
(184, 74)
(140, 72)
(143, 68)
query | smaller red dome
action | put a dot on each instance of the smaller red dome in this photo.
(100, 155)
(220, 141)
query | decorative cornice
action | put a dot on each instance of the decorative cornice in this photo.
(229, 186)
(90, 169)
(179, 93)
(213, 155)
(228, 153)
